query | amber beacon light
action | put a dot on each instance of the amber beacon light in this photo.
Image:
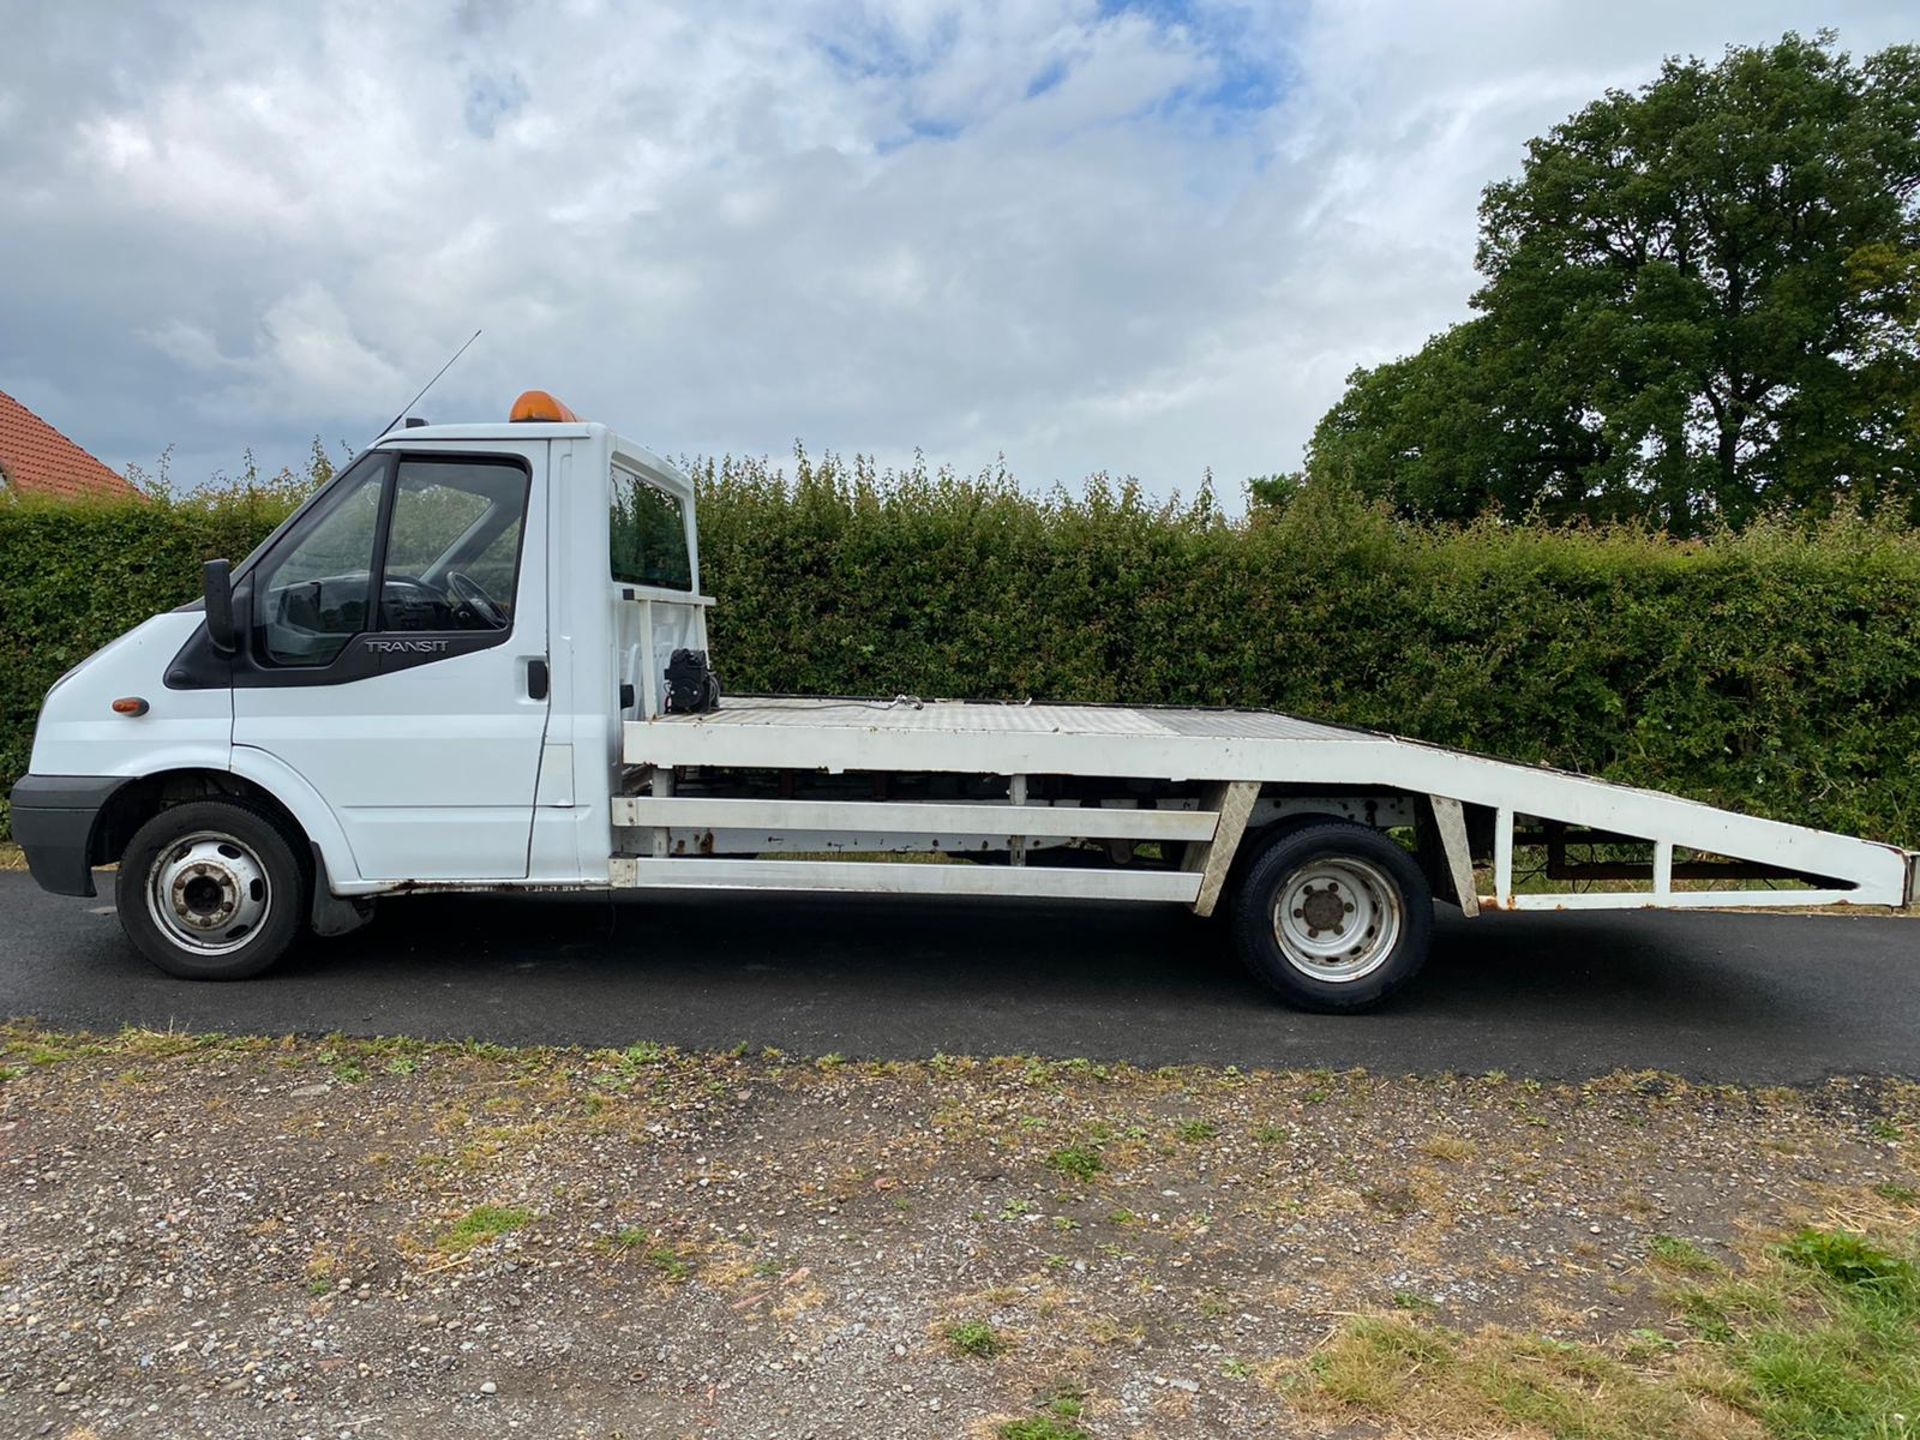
(539, 405)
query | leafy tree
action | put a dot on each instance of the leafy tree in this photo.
(1276, 491)
(1702, 301)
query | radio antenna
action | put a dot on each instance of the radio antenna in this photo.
(429, 385)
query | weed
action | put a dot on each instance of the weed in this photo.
(1271, 1134)
(1853, 1262)
(1068, 1402)
(323, 1272)
(669, 1263)
(1450, 1148)
(1040, 1427)
(976, 1338)
(1082, 1162)
(1671, 1252)
(481, 1224)
(1644, 1344)
(1194, 1131)
(1397, 1199)
(632, 1237)
(632, 1240)
(1898, 1194)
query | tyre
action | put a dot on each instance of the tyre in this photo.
(211, 890)
(1334, 916)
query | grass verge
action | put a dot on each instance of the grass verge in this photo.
(1817, 1338)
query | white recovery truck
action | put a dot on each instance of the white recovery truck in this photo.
(476, 660)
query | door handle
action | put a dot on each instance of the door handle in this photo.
(537, 679)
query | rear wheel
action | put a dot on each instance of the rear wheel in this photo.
(1334, 916)
(211, 890)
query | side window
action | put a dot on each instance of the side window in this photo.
(313, 598)
(453, 556)
(451, 560)
(649, 534)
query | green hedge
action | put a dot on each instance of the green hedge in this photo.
(74, 576)
(1777, 671)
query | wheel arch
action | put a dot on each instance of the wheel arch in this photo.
(319, 826)
(311, 829)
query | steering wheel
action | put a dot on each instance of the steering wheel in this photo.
(468, 591)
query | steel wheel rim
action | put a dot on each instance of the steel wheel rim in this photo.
(1337, 918)
(208, 893)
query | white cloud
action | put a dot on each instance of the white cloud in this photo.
(1149, 239)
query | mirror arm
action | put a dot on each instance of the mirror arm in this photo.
(216, 582)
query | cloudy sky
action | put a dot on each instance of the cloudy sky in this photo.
(1148, 238)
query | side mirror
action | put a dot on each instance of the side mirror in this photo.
(216, 582)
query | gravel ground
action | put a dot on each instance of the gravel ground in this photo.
(205, 1236)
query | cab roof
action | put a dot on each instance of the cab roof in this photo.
(509, 432)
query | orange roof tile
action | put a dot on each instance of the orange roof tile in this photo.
(36, 459)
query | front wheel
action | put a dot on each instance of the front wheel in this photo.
(1334, 916)
(211, 890)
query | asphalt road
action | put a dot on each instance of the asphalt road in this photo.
(1737, 998)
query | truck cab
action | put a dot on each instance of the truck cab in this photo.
(419, 679)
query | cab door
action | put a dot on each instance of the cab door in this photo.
(395, 656)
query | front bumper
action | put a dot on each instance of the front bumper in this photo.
(53, 822)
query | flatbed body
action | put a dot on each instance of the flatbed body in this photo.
(1282, 753)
